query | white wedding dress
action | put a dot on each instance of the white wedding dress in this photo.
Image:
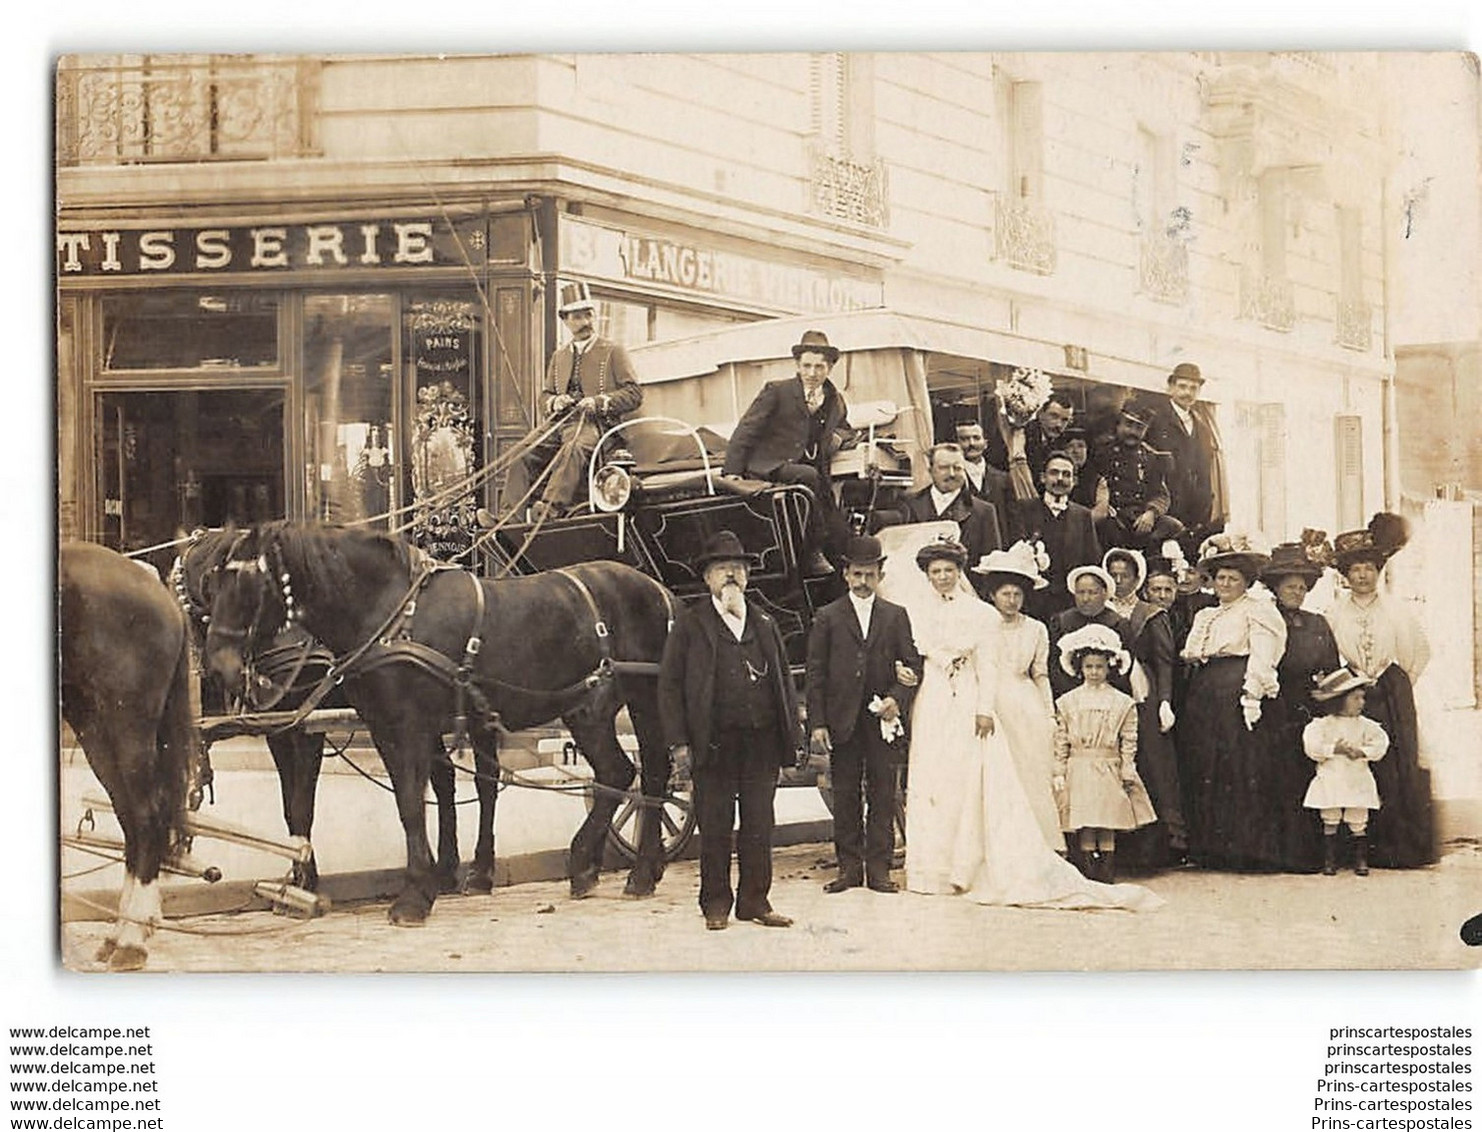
(970, 828)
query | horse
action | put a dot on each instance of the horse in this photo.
(424, 649)
(125, 691)
(284, 674)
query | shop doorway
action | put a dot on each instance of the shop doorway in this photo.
(169, 462)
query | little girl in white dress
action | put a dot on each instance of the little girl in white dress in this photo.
(1343, 743)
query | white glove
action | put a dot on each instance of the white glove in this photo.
(1166, 718)
(1251, 709)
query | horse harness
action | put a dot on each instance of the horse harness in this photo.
(392, 643)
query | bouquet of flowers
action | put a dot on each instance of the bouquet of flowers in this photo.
(1024, 393)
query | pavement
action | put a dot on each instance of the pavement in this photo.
(1211, 921)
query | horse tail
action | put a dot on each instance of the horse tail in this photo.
(178, 740)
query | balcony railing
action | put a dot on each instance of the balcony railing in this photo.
(1354, 329)
(1025, 237)
(850, 190)
(1165, 269)
(114, 110)
(1269, 300)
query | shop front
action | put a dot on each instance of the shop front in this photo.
(339, 368)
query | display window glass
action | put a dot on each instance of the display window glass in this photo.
(190, 330)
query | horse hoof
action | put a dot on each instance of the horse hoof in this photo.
(640, 891)
(105, 950)
(409, 913)
(478, 884)
(448, 882)
(583, 883)
(127, 957)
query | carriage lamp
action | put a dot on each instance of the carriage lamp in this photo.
(612, 485)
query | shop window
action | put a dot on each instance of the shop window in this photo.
(348, 399)
(168, 462)
(190, 330)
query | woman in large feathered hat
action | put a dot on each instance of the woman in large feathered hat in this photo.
(1378, 637)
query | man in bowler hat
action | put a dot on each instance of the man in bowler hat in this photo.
(1184, 428)
(730, 716)
(790, 433)
(862, 669)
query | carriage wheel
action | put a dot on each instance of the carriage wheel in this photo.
(677, 825)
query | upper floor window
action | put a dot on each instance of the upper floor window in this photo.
(848, 179)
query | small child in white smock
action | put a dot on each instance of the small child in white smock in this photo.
(1343, 742)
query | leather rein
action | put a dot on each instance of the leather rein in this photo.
(392, 643)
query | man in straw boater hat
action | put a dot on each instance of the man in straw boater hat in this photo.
(730, 717)
(1184, 427)
(790, 433)
(863, 668)
(590, 386)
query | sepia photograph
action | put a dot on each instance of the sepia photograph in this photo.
(955, 510)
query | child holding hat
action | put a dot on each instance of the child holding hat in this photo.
(1343, 742)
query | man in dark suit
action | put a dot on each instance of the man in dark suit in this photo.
(790, 433)
(1064, 527)
(1184, 428)
(590, 385)
(948, 497)
(730, 716)
(983, 479)
(862, 667)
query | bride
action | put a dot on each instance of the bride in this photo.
(969, 826)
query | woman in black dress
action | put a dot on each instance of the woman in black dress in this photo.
(1223, 739)
(1310, 649)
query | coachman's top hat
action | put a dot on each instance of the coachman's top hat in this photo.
(816, 342)
(573, 295)
(723, 546)
(1186, 371)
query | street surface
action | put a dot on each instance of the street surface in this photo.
(1211, 921)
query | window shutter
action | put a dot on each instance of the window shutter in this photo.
(1349, 449)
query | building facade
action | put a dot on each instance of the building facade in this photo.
(323, 286)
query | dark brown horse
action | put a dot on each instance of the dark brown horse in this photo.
(125, 668)
(423, 651)
(284, 673)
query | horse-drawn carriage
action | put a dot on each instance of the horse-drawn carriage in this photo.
(569, 609)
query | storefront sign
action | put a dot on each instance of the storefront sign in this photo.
(265, 248)
(657, 261)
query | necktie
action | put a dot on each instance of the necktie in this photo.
(814, 397)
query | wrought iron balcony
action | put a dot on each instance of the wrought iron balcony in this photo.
(1269, 300)
(126, 109)
(1164, 275)
(1025, 236)
(1354, 329)
(849, 190)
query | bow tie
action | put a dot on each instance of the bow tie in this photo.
(1057, 506)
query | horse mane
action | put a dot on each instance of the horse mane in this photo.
(329, 558)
